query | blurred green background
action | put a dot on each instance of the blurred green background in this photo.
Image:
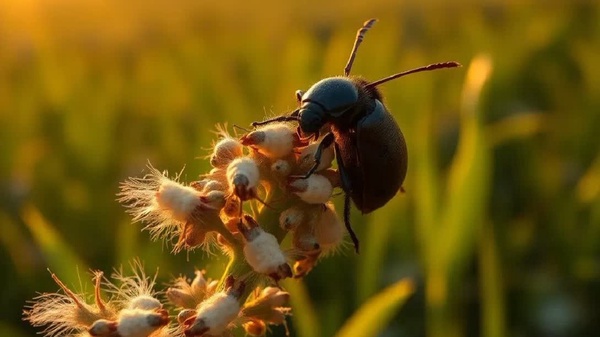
(500, 224)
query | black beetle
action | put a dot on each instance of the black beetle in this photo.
(369, 146)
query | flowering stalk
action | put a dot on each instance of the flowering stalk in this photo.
(251, 200)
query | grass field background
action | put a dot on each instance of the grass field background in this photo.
(499, 227)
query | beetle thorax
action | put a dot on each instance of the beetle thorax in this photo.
(326, 101)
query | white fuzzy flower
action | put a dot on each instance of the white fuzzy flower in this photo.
(273, 140)
(160, 202)
(225, 150)
(243, 177)
(329, 230)
(291, 218)
(67, 313)
(262, 251)
(213, 316)
(134, 291)
(316, 189)
(140, 323)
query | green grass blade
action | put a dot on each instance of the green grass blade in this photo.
(305, 318)
(493, 320)
(60, 257)
(374, 315)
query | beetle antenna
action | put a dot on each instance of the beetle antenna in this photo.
(235, 126)
(360, 35)
(290, 118)
(434, 66)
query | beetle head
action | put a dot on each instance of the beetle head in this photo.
(311, 117)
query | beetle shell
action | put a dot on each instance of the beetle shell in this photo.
(321, 91)
(372, 158)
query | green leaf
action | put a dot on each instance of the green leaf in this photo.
(374, 315)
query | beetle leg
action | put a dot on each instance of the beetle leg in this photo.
(347, 222)
(347, 186)
(290, 118)
(325, 143)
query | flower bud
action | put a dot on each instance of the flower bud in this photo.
(243, 176)
(262, 251)
(304, 266)
(226, 150)
(214, 199)
(315, 189)
(281, 167)
(180, 200)
(181, 298)
(231, 208)
(255, 327)
(199, 283)
(185, 314)
(144, 302)
(102, 327)
(213, 315)
(136, 322)
(305, 241)
(207, 185)
(273, 140)
(268, 306)
(291, 218)
(329, 230)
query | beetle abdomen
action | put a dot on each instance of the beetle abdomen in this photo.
(382, 159)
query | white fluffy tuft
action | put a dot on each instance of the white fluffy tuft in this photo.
(318, 190)
(244, 166)
(263, 253)
(217, 312)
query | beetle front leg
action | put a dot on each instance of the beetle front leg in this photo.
(325, 143)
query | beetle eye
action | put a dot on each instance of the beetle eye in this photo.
(299, 94)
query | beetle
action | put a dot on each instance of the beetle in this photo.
(369, 146)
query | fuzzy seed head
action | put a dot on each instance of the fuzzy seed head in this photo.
(178, 199)
(141, 197)
(135, 291)
(273, 140)
(243, 176)
(226, 150)
(67, 312)
(140, 323)
(315, 189)
(185, 314)
(291, 218)
(214, 199)
(305, 241)
(207, 185)
(281, 167)
(199, 283)
(268, 306)
(102, 327)
(145, 302)
(181, 298)
(263, 253)
(329, 230)
(215, 314)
